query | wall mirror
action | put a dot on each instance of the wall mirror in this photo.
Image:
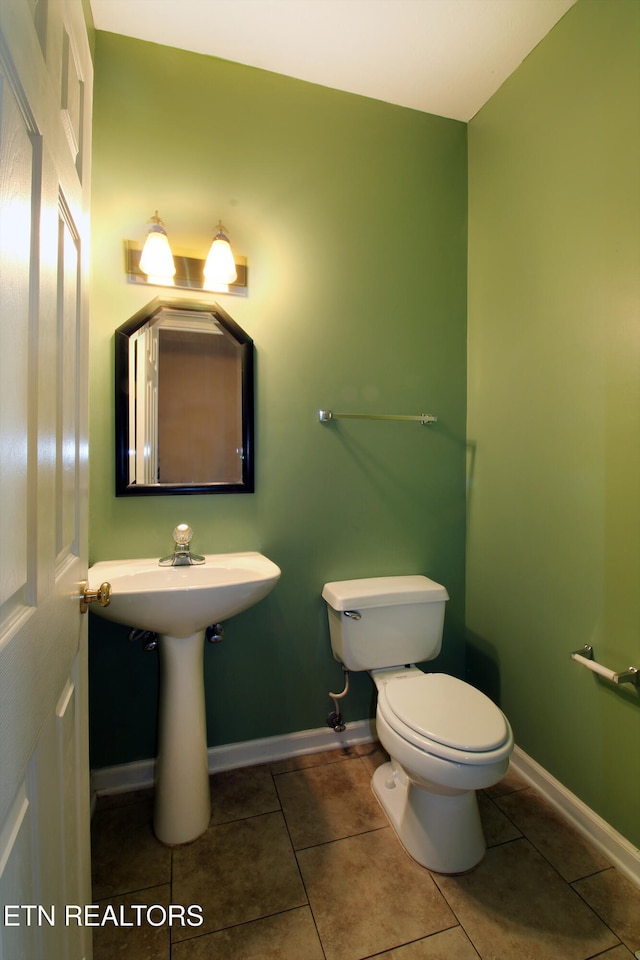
(184, 401)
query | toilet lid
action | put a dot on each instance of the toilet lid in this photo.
(448, 711)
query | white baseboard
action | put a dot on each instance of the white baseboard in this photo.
(138, 775)
(619, 851)
(611, 844)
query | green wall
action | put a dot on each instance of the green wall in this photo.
(352, 214)
(553, 553)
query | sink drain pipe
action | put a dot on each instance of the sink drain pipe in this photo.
(334, 720)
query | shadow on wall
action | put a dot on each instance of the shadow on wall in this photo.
(482, 669)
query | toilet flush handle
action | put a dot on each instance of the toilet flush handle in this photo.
(353, 614)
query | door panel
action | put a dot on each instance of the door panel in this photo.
(68, 343)
(18, 942)
(16, 176)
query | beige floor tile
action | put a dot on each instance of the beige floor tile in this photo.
(238, 872)
(247, 792)
(451, 944)
(140, 941)
(618, 953)
(125, 854)
(124, 799)
(372, 756)
(328, 802)
(617, 901)
(287, 936)
(314, 759)
(571, 855)
(368, 896)
(497, 827)
(509, 783)
(515, 905)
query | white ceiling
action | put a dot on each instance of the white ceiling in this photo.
(441, 56)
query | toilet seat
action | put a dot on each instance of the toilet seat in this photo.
(446, 717)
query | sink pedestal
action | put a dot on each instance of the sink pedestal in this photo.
(182, 799)
(178, 602)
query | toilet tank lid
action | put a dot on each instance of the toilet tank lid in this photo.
(382, 592)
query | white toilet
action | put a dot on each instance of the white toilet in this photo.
(445, 738)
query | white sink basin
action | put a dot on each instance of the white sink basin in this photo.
(179, 601)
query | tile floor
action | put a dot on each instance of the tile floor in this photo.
(299, 863)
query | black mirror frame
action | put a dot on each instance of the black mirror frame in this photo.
(123, 487)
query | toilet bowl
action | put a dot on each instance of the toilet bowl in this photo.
(445, 738)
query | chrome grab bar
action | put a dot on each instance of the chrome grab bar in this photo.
(324, 416)
(585, 657)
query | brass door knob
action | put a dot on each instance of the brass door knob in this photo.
(102, 595)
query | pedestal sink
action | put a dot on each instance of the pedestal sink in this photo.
(179, 603)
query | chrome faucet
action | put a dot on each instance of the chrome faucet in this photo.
(181, 556)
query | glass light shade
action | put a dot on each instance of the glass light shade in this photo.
(220, 268)
(156, 259)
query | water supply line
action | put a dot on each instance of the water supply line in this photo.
(148, 637)
(334, 720)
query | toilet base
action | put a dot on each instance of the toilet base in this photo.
(442, 831)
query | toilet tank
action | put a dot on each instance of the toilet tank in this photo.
(385, 621)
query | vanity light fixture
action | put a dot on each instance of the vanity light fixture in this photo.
(156, 259)
(220, 267)
(156, 263)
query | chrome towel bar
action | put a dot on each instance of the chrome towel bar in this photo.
(324, 416)
(585, 657)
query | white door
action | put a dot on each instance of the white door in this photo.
(45, 118)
